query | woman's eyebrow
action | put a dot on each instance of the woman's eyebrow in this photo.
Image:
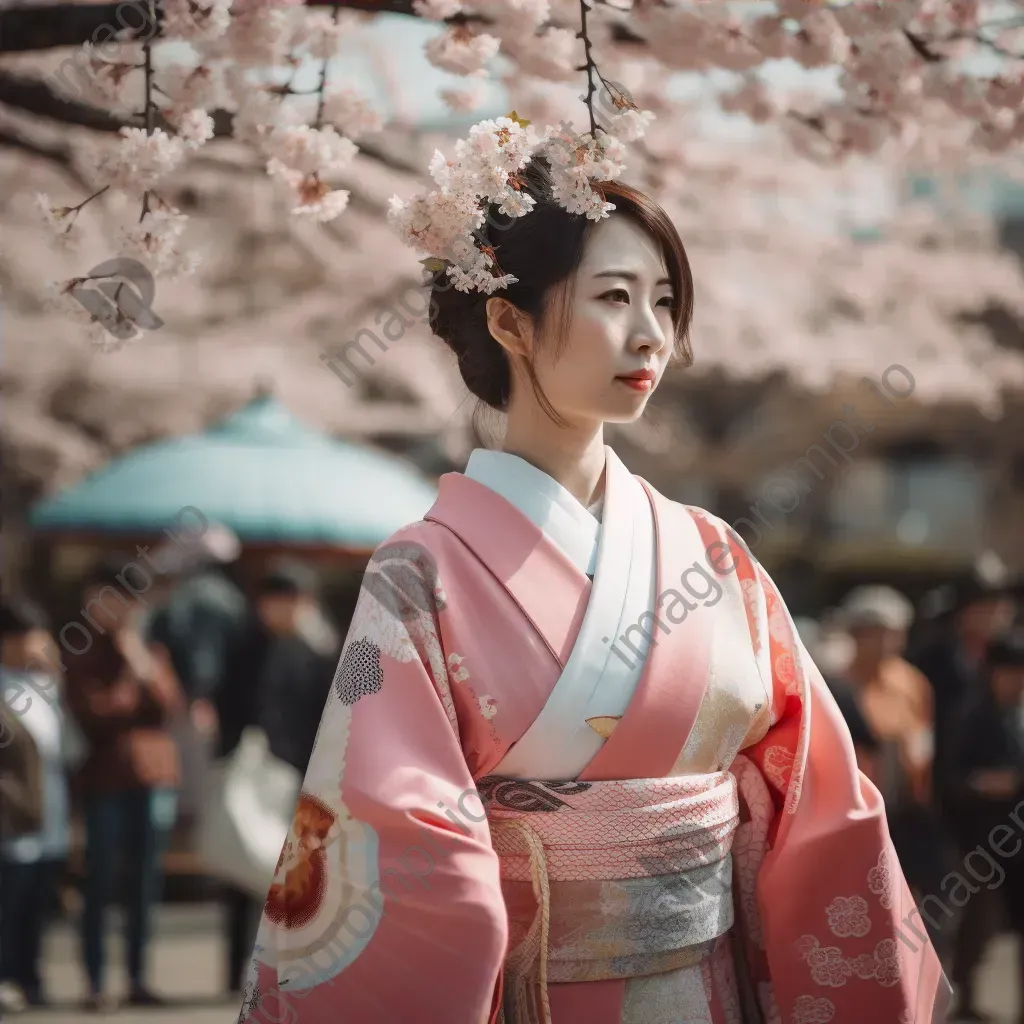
(627, 275)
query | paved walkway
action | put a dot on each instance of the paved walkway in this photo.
(187, 964)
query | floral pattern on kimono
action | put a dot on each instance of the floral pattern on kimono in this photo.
(800, 976)
(391, 861)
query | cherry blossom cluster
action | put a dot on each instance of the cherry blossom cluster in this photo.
(904, 83)
(485, 171)
(237, 45)
(903, 64)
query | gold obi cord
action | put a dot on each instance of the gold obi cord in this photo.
(629, 879)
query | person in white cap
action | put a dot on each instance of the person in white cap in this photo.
(895, 703)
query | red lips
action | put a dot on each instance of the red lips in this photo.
(640, 380)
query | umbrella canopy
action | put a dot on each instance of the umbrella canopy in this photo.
(260, 472)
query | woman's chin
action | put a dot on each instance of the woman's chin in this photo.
(627, 412)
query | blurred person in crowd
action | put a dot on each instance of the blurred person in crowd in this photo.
(124, 694)
(968, 614)
(888, 706)
(34, 748)
(198, 614)
(201, 614)
(278, 676)
(819, 640)
(988, 765)
(964, 616)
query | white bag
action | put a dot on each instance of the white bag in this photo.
(246, 813)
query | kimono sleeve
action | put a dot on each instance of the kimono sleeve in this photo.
(831, 933)
(386, 904)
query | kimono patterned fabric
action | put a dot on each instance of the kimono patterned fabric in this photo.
(720, 860)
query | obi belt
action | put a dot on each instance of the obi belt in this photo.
(606, 880)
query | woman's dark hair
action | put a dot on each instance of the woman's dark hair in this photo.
(543, 249)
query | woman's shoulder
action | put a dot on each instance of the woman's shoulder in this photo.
(713, 527)
(421, 549)
(424, 537)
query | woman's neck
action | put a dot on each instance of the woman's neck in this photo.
(573, 456)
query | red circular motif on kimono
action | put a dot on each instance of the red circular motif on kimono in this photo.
(295, 899)
(785, 669)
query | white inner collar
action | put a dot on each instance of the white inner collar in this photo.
(575, 529)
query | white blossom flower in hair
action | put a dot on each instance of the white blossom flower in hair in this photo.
(486, 169)
(516, 204)
(503, 142)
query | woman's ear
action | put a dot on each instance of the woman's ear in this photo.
(510, 327)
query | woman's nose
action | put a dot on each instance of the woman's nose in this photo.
(649, 335)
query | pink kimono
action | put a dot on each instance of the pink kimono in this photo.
(541, 798)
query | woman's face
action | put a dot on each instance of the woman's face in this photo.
(620, 334)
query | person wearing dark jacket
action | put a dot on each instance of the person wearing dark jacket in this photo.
(987, 759)
(124, 695)
(34, 832)
(277, 678)
(975, 610)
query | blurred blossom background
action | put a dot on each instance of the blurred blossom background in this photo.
(848, 179)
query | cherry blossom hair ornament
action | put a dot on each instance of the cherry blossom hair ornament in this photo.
(447, 222)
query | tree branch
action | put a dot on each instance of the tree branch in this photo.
(35, 96)
(46, 26)
(921, 48)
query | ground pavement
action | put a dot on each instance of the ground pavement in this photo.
(187, 962)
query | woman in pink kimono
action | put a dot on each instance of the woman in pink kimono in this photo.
(576, 767)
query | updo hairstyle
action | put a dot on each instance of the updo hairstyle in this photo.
(544, 249)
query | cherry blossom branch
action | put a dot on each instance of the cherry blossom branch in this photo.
(150, 106)
(991, 44)
(921, 48)
(322, 87)
(48, 26)
(590, 67)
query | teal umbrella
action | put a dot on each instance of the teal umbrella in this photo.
(262, 473)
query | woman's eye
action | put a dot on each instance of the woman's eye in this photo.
(617, 295)
(667, 301)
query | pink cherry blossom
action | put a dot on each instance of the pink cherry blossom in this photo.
(351, 113)
(196, 20)
(461, 50)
